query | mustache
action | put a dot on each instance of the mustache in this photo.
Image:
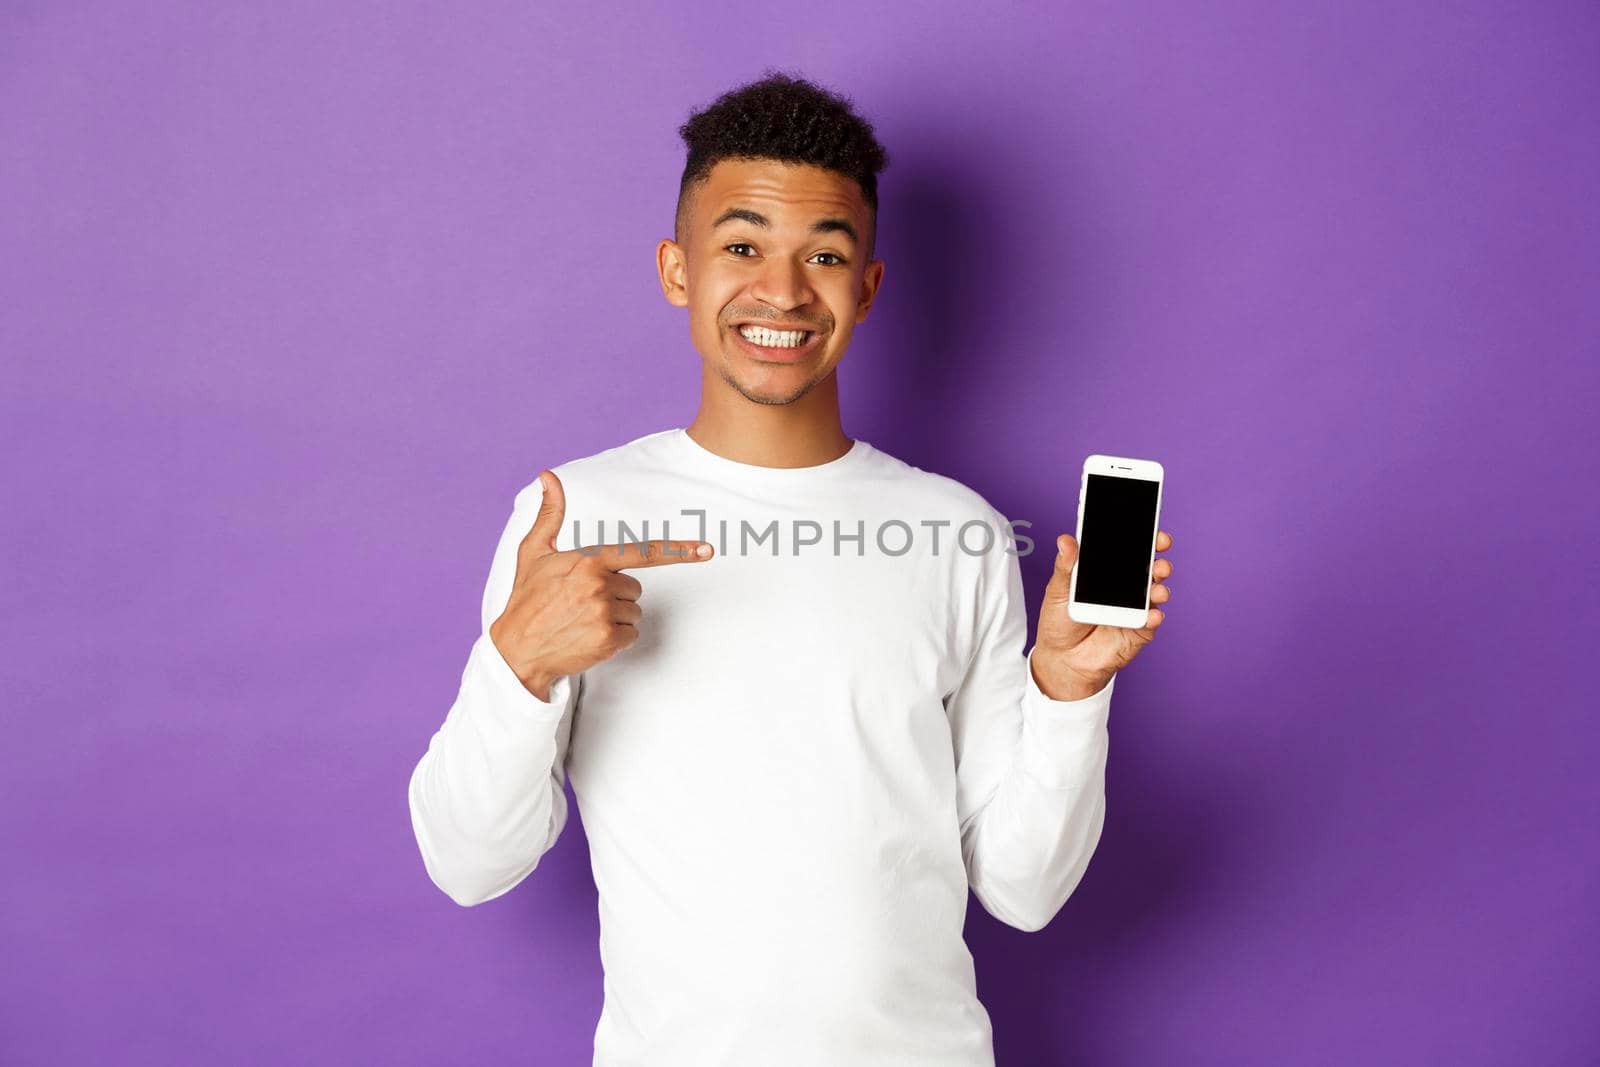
(817, 325)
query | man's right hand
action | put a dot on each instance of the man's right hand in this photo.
(570, 610)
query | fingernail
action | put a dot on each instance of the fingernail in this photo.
(703, 551)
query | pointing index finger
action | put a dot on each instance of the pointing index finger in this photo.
(649, 553)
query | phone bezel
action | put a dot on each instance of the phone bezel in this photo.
(1147, 470)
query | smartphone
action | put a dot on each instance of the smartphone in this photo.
(1119, 515)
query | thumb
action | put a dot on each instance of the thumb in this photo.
(1057, 629)
(552, 512)
(1060, 587)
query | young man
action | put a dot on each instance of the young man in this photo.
(795, 749)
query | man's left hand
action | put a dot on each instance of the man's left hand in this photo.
(1073, 660)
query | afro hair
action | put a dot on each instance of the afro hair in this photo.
(785, 118)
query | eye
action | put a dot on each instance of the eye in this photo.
(838, 258)
(737, 244)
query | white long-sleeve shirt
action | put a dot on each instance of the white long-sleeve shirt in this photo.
(790, 780)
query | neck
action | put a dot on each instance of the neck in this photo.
(806, 433)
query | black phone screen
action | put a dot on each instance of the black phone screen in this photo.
(1119, 520)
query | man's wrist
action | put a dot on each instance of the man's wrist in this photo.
(535, 681)
(1064, 684)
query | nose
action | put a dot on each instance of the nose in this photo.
(782, 284)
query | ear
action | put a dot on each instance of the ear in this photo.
(673, 267)
(871, 280)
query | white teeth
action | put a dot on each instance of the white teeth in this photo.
(774, 338)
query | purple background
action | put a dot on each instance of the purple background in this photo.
(293, 299)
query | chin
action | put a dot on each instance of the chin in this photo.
(775, 395)
(778, 401)
(772, 397)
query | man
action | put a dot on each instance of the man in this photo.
(800, 735)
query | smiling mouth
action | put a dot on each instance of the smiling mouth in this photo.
(763, 337)
(766, 345)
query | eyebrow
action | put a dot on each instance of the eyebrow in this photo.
(755, 218)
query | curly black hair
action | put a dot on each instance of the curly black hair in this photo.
(786, 118)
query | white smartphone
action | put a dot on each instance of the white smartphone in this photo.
(1119, 515)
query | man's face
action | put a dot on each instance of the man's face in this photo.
(778, 246)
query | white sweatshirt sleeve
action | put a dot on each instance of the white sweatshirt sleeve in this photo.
(1030, 770)
(487, 796)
